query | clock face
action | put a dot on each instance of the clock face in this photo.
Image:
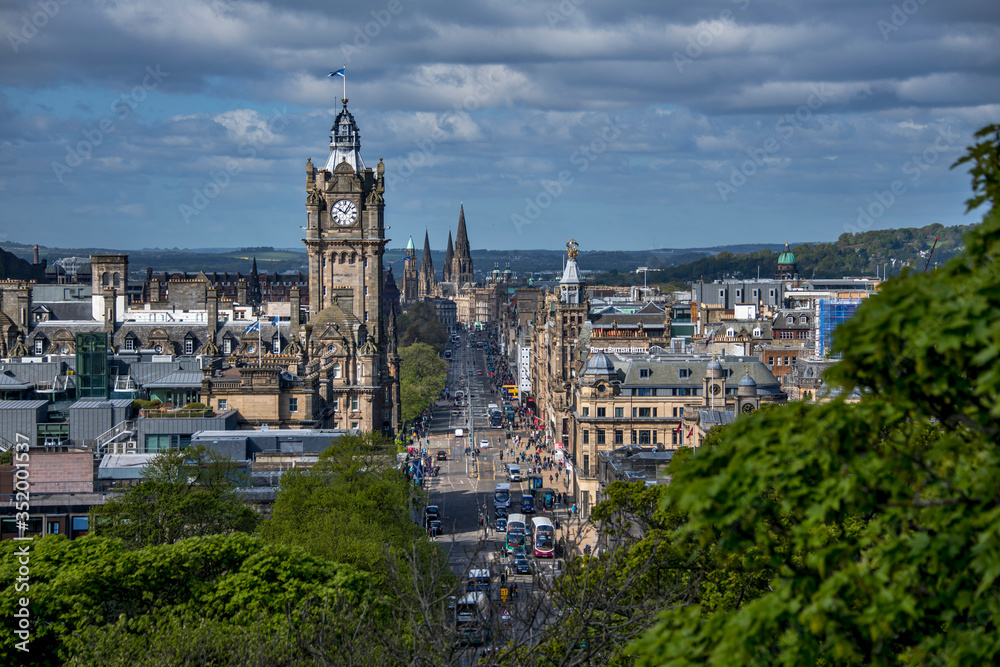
(747, 409)
(344, 212)
(715, 389)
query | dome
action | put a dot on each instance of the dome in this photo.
(746, 381)
(599, 364)
(786, 257)
(714, 365)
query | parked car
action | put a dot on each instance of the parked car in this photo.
(435, 528)
(431, 512)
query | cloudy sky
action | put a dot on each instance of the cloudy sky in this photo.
(626, 124)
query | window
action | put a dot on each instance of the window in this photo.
(789, 320)
(80, 523)
(337, 371)
(586, 412)
(646, 412)
(156, 443)
(730, 332)
(722, 294)
(586, 465)
(129, 344)
(787, 335)
(772, 292)
(643, 391)
(756, 293)
(293, 405)
(355, 425)
(803, 319)
(683, 373)
(188, 346)
(770, 361)
(619, 436)
(53, 528)
(644, 372)
(600, 436)
(800, 334)
(227, 346)
(601, 412)
(756, 332)
(355, 405)
(644, 438)
(586, 437)
(223, 404)
(39, 347)
(276, 344)
(619, 413)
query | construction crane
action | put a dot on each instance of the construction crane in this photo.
(931, 254)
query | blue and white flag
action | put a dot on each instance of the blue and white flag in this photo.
(275, 320)
(339, 72)
(254, 326)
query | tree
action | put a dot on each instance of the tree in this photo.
(877, 524)
(206, 600)
(422, 378)
(353, 506)
(183, 493)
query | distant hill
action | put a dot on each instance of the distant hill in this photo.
(863, 254)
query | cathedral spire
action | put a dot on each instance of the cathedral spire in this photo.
(449, 256)
(253, 285)
(427, 281)
(462, 272)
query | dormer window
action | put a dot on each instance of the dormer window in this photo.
(227, 345)
(756, 332)
(803, 319)
(188, 345)
(730, 332)
(39, 346)
(644, 372)
(790, 319)
(129, 344)
(683, 373)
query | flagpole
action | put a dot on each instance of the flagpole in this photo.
(259, 351)
(345, 83)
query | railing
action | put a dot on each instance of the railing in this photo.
(177, 414)
(5, 444)
(113, 436)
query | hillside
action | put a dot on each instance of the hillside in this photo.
(863, 254)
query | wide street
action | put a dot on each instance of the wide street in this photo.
(466, 485)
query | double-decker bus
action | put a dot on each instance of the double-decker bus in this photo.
(543, 537)
(517, 530)
(501, 496)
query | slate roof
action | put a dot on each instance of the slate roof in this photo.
(180, 379)
(710, 418)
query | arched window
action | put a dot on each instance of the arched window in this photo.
(118, 280)
(105, 279)
(756, 333)
(730, 332)
(337, 371)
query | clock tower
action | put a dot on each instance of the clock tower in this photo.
(345, 230)
(347, 337)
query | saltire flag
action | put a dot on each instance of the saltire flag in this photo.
(254, 326)
(339, 72)
(275, 320)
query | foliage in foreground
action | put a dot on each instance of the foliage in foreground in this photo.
(879, 522)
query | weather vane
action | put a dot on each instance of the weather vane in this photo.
(572, 246)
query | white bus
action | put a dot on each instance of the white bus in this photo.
(517, 529)
(501, 496)
(472, 609)
(543, 537)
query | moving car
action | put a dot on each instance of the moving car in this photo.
(484, 444)
(521, 564)
(500, 524)
(442, 455)
(479, 372)
(500, 511)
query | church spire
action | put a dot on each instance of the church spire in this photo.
(449, 256)
(253, 286)
(462, 272)
(427, 281)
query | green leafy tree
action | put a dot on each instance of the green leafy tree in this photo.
(877, 524)
(183, 493)
(422, 378)
(206, 600)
